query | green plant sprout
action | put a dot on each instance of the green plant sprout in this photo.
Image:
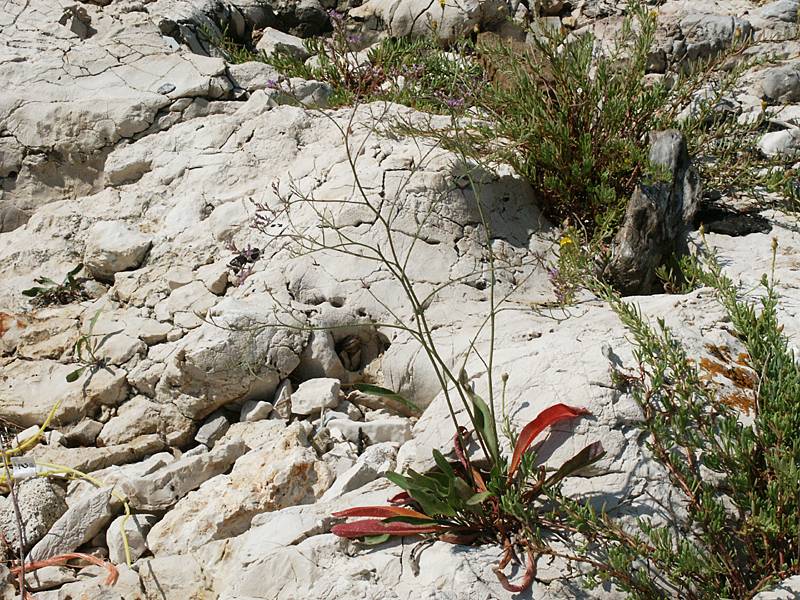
(48, 292)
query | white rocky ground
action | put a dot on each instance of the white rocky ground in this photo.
(222, 411)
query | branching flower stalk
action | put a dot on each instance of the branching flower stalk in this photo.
(459, 501)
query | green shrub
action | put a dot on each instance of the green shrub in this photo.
(575, 121)
(739, 481)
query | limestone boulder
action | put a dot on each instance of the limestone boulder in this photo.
(706, 34)
(113, 246)
(420, 17)
(240, 354)
(41, 503)
(160, 489)
(30, 389)
(657, 217)
(783, 143)
(273, 41)
(282, 472)
(136, 528)
(80, 523)
(127, 587)
(315, 395)
(782, 84)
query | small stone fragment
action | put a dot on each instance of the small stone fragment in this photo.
(255, 410)
(213, 429)
(136, 528)
(314, 395)
(282, 400)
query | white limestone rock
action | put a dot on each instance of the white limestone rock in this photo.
(390, 429)
(255, 410)
(373, 463)
(138, 416)
(282, 400)
(308, 93)
(282, 472)
(163, 488)
(314, 395)
(273, 41)
(136, 528)
(29, 389)
(788, 589)
(178, 576)
(114, 246)
(253, 75)
(84, 433)
(48, 578)
(80, 523)
(41, 503)
(120, 476)
(214, 277)
(779, 10)
(237, 356)
(782, 84)
(93, 458)
(416, 17)
(187, 305)
(706, 34)
(127, 587)
(780, 143)
(214, 427)
(49, 335)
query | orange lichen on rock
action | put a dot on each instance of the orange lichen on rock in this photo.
(738, 373)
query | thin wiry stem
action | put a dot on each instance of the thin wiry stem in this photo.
(17, 517)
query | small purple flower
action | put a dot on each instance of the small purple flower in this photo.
(273, 84)
(355, 39)
(335, 16)
(454, 102)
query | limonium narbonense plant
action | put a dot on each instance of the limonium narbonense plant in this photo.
(462, 503)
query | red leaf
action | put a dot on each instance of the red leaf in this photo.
(381, 511)
(464, 539)
(111, 579)
(527, 577)
(366, 527)
(549, 416)
(401, 499)
(463, 434)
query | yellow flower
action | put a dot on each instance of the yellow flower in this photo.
(442, 3)
(565, 241)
